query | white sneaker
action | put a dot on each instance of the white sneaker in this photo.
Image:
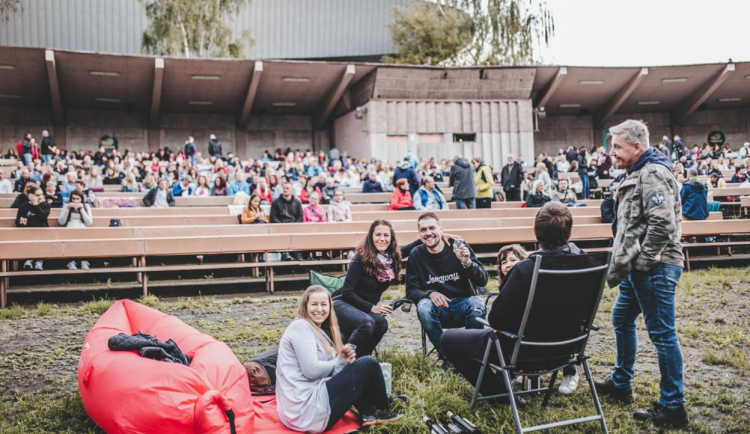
(38, 265)
(569, 384)
(84, 265)
(28, 264)
(72, 265)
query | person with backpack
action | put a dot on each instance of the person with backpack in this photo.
(483, 183)
(318, 378)
(189, 149)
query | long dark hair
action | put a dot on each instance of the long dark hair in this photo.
(368, 253)
(83, 202)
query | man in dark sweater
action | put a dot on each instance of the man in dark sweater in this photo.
(511, 178)
(287, 209)
(552, 228)
(48, 147)
(33, 214)
(440, 279)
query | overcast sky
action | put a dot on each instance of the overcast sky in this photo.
(648, 32)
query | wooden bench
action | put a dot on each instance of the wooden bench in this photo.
(142, 247)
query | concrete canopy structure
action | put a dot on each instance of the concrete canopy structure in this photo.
(367, 109)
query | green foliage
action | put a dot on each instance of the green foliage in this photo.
(7, 8)
(192, 28)
(13, 312)
(471, 32)
(97, 306)
(427, 34)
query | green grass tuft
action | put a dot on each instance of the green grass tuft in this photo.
(13, 312)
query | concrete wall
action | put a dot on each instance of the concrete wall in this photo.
(84, 127)
(269, 132)
(353, 135)
(176, 127)
(735, 124)
(561, 131)
(16, 121)
(427, 128)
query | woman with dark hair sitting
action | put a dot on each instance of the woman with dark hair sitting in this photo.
(318, 379)
(76, 215)
(220, 187)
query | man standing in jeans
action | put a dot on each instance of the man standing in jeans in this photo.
(440, 279)
(462, 181)
(647, 264)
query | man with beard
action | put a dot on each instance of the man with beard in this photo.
(440, 279)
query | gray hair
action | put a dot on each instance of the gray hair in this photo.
(633, 132)
(692, 172)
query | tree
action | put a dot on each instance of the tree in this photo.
(503, 32)
(192, 28)
(429, 34)
(9, 7)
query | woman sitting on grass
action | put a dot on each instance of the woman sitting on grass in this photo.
(318, 379)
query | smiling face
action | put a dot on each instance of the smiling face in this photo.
(314, 199)
(508, 263)
(626, 154)
(319, 307)
(381, 237)
(430, 232)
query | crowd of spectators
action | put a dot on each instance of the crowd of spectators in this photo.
(415, 183)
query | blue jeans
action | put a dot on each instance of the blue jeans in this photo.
(460, 312)
(584, 186)
(47, 158)
(27, 158)
(651, 293)
(465, 203)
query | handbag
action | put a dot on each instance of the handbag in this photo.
(115, 223)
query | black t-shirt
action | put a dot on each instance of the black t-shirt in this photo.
(442, 272)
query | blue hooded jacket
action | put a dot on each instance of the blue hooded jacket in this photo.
(694, 197)
(652, 155)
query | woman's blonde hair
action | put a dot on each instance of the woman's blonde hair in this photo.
(330, 326)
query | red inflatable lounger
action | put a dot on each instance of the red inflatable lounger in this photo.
(126, 393)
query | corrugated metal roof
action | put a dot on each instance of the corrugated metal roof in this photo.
(282, 29)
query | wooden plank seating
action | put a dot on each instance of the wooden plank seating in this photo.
(143, 247)
(745, 206)
(222, 210)
(729, 191)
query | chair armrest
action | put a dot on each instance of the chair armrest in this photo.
(482, 321)
(509, 335)
(488, 296)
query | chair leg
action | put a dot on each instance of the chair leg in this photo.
(594, 395)
(549, 389)
(424, 343)
(485, 361)
(509, 386)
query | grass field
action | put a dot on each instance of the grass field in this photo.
(41, 345)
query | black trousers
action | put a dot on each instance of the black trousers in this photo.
(484, 202)
(513, 196)
(365, 330)
(360, 384)
(461, 346)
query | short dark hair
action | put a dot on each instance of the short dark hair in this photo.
(428, 215)
(553, 225)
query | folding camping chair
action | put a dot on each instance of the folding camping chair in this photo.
(557, 321)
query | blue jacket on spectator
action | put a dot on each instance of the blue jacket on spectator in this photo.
(408, 172)
(177, 189)
(372, 187)
(694, 197)
(236, 187)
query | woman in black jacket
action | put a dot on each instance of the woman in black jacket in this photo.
(536, 197)
(374, 268)
(376, 265)
(33, 214)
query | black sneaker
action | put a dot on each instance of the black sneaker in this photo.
(395, 398)
(445, 364)
(380, 416)
(606, 388)
(662, 416)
